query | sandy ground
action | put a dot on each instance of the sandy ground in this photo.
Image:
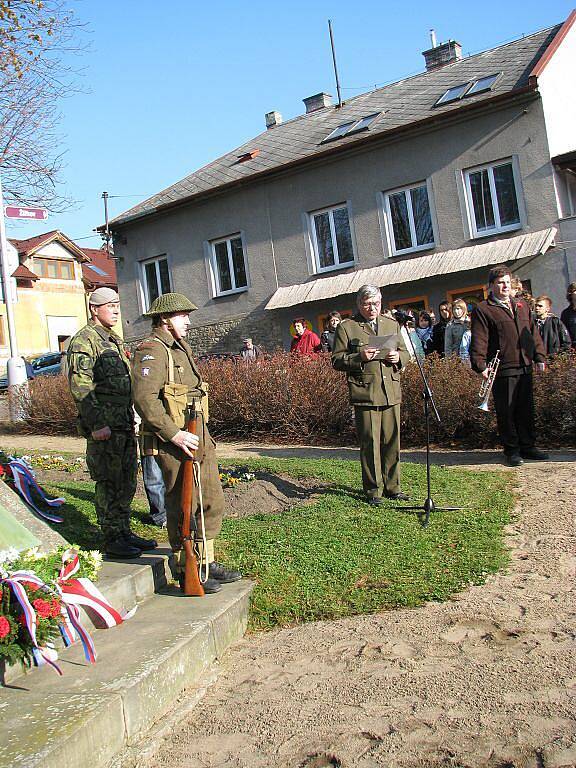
(487, 679)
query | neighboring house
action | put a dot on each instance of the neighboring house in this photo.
(418, 187)
(99, 271)
(50, 301)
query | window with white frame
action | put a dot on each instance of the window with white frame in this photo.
(155, 279)
(331, 238)
(491, 191)
(229, 265)
(409, 219)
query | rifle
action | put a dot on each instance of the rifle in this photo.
(192, 583)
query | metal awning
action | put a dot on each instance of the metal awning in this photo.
(419, 268)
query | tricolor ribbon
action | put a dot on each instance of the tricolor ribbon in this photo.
(42, 654)
(25, 482)
(82, 592)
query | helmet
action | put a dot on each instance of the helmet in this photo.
(169, 303)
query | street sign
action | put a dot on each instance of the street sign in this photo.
(18, 212)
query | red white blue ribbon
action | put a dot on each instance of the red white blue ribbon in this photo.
(42, 654)
(25, 482)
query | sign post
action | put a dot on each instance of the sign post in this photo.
(16, 367)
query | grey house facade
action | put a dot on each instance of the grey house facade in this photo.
(417, 187)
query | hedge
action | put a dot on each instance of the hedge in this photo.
(304, 400)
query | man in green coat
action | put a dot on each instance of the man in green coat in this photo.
(373, 375)
(166, 382)
(99, 378)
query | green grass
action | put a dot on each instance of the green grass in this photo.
(338, 556)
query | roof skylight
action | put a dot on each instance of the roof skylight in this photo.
(470, 88)
(353, 126)
(96, 269)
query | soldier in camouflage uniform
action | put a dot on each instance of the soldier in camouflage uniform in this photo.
(166, 381)
(99, 377)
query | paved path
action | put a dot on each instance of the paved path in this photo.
(239, 451)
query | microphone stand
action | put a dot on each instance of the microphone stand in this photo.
(428, 506)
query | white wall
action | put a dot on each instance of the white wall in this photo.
(556, 86)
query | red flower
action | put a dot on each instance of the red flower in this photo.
(4, 627)
(30, 585)
(43, 607)
(54, 609)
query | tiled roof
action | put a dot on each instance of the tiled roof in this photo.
(23, 273)
(99, 258)
(28, 247)
(402, 104)
(400, 272)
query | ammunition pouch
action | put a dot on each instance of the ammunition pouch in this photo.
(175, 399)
(148, 443)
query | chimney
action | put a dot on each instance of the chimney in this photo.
(318, 101)
(440, 55)
(272, 119)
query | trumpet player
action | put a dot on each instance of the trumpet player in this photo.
(503, 323)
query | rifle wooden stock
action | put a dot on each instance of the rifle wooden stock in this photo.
(192, 583)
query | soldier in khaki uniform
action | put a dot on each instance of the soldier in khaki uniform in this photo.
(374, 389)
(163, 366)
(99, 378)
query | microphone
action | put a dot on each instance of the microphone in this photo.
(403, 317)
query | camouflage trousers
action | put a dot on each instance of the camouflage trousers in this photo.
(113, 465)
(170, 460)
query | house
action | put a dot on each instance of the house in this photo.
(52, 277)
(99, 271)
(50, 301)
(418, 187)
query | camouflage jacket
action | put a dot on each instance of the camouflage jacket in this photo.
(99, 377)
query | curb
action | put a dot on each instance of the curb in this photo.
(94, 712)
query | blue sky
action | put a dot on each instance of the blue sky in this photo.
(168, 87)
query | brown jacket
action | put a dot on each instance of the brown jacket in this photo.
(374, 383)
(513, 333)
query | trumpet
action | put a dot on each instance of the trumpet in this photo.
(488, 382)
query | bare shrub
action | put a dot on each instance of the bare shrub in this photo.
(290, 399)
(47, 406)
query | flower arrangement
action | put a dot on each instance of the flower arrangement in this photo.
(34, 602)
(232, 476)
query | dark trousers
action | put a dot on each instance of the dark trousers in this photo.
(379, 437)
(514, 403)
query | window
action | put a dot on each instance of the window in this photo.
(331, 238)
(353, 126)
(471, 88)
(229, 265)
(472, 295)
(155, 279)
(409, 219)
(56, 269)
(492, 199)
(453, 94)
(565, 178)
(415, 304)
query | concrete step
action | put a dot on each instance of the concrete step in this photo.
(94, 711)
(124, 584)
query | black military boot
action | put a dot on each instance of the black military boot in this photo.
(211, 586)
(139, 542)
(122, 549)
(220, 573)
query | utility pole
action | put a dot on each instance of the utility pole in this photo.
(335, 67)
(107, 229)
(16, 367)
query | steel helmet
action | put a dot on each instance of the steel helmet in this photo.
(170, 303)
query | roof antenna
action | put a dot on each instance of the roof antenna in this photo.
(335, 67)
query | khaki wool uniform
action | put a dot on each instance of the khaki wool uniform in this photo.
(99, 378)
(375, 393)
(151, 372)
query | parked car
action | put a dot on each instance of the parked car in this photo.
(48, 364)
